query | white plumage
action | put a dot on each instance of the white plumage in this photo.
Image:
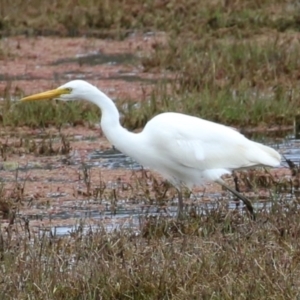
(184, 149)
(193, 150)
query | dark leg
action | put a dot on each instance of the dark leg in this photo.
(240, 196)
(236, 182)
(237, 188)
(180, 204)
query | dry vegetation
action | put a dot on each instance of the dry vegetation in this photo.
(236, 62)
(217, 255)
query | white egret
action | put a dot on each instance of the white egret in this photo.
(186, 150)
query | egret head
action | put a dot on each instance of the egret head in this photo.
(73, 90)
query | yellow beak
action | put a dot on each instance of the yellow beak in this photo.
(46, 95)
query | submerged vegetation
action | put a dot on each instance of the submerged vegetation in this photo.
(235, 62)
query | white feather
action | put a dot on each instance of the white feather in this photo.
(194, 150)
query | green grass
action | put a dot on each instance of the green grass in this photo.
(235, 62)
(48, 113)
(243, 82)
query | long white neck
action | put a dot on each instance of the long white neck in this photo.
(110, 122)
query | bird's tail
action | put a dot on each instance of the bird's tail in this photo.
(267, 156)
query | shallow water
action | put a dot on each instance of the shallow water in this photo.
(98, 58)
(126, 214)
(130, 219)
(288, 147)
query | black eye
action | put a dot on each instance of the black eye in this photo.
(69, 90)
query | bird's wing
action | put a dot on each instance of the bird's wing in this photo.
(200, 144)
(204, 151)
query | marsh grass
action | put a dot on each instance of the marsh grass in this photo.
(46, 113)
(240, 82)
(239, 106)
(235, 62)
(44, 146)
(11, 199)
(213, 256)
(214, 253)
(72, 17)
